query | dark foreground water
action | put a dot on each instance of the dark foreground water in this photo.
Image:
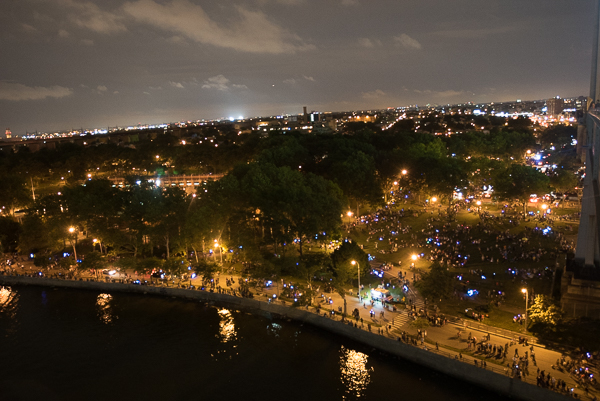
(78, 345)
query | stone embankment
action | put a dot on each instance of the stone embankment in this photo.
(489, 378)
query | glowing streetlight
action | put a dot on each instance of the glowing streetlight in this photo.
(395, 182)
(434, 199)
(72, 231)
(157, 157)
(413, 257)
(354, 262)
(544, 207)
(404, 172)
(524, 291)
(478, 203)
(220, 251)
(349, 214)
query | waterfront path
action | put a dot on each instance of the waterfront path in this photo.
(444, 340)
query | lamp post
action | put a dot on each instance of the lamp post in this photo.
(72, 230)
(354, 262)
(414, 259)
(524, 291)
(220, 252)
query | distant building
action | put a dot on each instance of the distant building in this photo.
(555, 106)
(8, 133)
(314, 117)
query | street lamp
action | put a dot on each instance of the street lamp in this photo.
(220, 251)
(404, 172)
(434, 199)
(544, 207)
(72, 230)
(524, 291)
(413, 257)
(354, 262)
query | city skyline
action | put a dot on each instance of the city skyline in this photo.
(95, 64)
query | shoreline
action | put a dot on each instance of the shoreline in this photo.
(491, 378)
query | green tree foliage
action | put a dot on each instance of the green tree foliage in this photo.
(558, 135)
(94, 205)
(564, 181)
(41, 261)
(9, 234)
(436, 284)
(93, 261)
(544, 312)
(518, 182)
(206, 269)
(146, 265)
(176, 266)
(343, 269)
(13, 192)
(291, 204)
(313, 264)
(34, 235)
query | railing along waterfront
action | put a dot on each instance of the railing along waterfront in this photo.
(341, 319)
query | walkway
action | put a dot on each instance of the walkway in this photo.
(444, 340)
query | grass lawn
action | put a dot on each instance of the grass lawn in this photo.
(489, 278)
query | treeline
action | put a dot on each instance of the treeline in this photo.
(279, 192)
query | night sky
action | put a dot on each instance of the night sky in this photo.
(98, 63)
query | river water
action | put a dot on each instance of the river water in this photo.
(59, 344)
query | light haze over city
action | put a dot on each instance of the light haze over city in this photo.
(78, 63)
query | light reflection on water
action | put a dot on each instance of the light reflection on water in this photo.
(104, 309)
(274, 329)
(354, 372)
(227, 336)
(8, 301)
(226, 326)
(230, 353)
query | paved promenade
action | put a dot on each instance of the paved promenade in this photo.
(450, 340)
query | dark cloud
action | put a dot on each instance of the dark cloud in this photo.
(172, 60)
(17, 92)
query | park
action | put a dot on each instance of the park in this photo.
(436, 232)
